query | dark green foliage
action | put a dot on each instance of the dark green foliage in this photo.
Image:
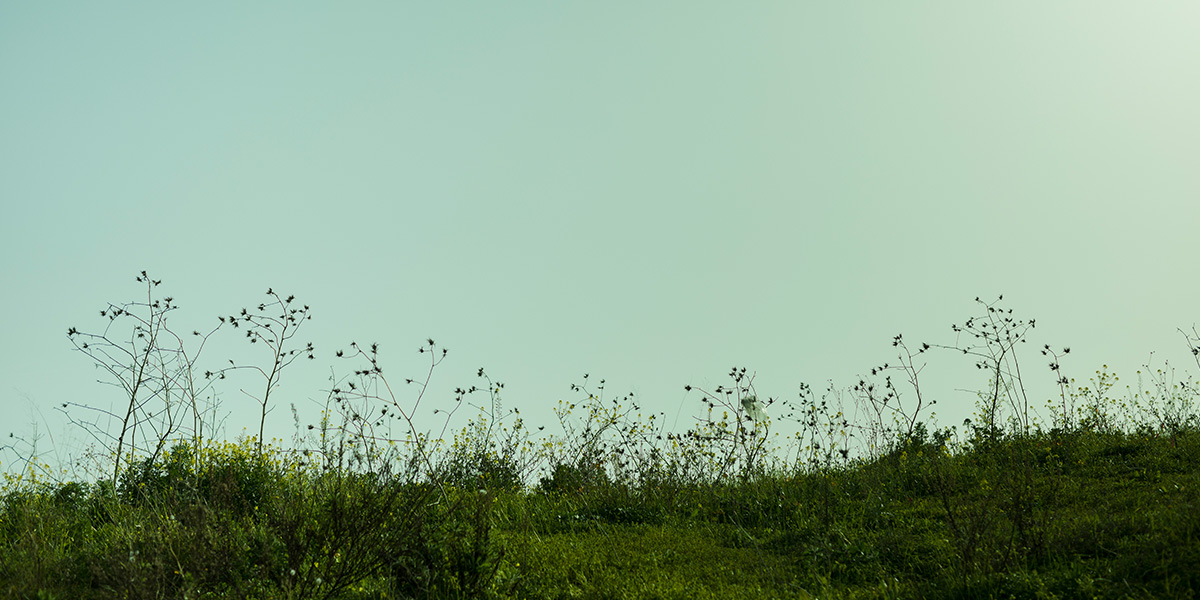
(481, 470)
(574, 479)
(1075, 515)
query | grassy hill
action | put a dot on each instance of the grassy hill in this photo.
(1084, 514)
(1099, 501)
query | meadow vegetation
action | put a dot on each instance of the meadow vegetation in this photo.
(1092, 493)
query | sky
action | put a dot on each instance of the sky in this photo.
(649, 193)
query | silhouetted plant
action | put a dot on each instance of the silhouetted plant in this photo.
(273, 323)
(826, 432)
(993, 339)
(493, 451)
(367, 401)
(607, 445)
(152, 366)
(729, 424)
(1192, 339)
(1065, 417)
(996, 509)
(889, 412)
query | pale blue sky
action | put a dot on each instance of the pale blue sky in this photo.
(650, 192)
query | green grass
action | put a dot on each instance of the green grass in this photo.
(1046, 515)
